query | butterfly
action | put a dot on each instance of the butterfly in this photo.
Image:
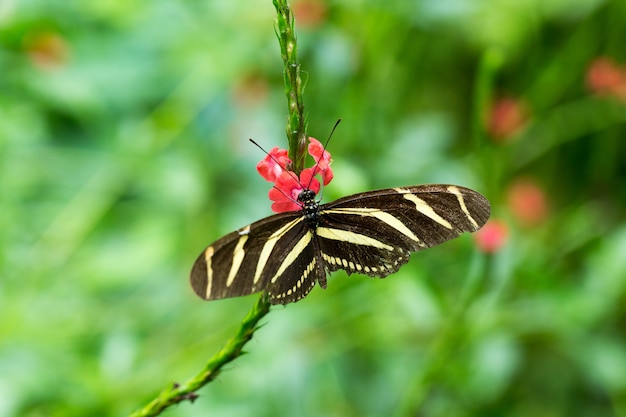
(372, 233)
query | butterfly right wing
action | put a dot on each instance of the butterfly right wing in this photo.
(272, 254)
(374, 233)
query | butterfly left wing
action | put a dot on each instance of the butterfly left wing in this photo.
(374, 233)
(273, 254)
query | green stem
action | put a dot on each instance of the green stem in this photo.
(296, 121)
(231, 350)
(296, 134)
(490, 63)
(488, 164)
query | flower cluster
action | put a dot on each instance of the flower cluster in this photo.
(288, 185)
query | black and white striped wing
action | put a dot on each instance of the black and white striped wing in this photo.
(274, 254)
(374, 233)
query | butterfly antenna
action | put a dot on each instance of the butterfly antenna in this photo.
(331, 133)
(316, 166)
(293, 175)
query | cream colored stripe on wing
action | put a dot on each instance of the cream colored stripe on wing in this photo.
(380, 215)
(238, 255)
(208, 256)
(424, 208)
(293, 254)
(350, 237)
(269, 246)
(454, 190)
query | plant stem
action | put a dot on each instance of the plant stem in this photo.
(296, 134)
(489, 64)
(296, 120)
(231, 350)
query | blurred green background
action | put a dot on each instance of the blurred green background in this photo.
(124, 152)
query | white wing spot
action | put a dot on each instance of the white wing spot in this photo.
(298, 284)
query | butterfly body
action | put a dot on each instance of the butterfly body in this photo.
(372, 233)
(310, 208)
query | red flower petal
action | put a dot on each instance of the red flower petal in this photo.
(273, 164)
(287, 189)
(287, 186)
(285, 206)
(322, 158)
(307, 180)
(327, 176)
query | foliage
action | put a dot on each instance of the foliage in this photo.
(124, 152)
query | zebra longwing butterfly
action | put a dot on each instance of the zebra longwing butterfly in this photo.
(372, 233)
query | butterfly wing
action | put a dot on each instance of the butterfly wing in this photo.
(374, 233)
(273, 254)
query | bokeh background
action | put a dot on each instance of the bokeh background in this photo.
(124, 152)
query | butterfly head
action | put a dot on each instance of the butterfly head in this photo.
(310, 207)
(306, 197)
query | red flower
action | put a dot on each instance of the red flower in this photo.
(288, 187)
(492, 237)
(322, 159)
(309, 13)
(528, 202)
(250, 90)
(606, 78)
(47, 50)
(273, 164)
(506, 117)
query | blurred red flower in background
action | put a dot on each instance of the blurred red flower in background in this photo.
(309, 13)
(528, 202)
(47, 50)
(251, 90)
(606, 78)
(492, 237)
(506, 117)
